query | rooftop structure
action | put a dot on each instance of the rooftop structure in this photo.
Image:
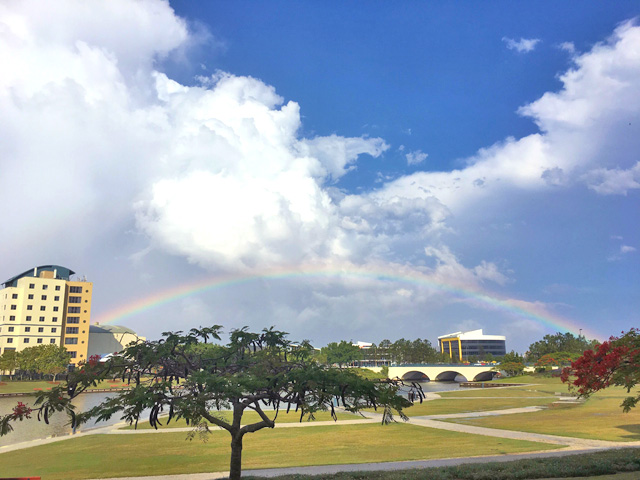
(108, 339)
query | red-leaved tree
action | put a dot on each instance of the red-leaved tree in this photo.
(614, 362)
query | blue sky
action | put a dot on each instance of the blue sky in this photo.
(489, 147)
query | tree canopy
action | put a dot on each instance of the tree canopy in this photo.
(342, 353)
(187, 376)
(46, 359)
(614, 362)
(559, 342)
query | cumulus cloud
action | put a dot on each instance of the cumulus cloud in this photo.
(218, 172)
(627, 249)
(588, 135)
(416, 157)
(524, 45)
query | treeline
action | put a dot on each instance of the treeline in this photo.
(559, 349)
(385, 353)
(34, 363)
(402, 352)
(565, 346)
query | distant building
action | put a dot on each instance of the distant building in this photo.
(463, 345)
(44, 306)
(105, 339)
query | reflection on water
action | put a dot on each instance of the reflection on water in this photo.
(428, 387)
(58, 423)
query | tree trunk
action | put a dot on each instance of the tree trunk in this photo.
(235, 468)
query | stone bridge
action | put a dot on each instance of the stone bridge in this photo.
(443, 373)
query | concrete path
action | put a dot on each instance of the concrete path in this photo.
(431, 421)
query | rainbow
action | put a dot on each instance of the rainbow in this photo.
(516, 308)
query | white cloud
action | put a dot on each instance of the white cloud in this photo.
(568, 47)
(589, 133)
(627, 249)
(524, 45)
(449, 270)
(219, 172)
(416, 157)
(613, 181)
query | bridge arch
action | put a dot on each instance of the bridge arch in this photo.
(416, 376)
(450, 376)
(484, 376)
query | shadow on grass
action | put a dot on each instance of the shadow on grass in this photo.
(634, 429)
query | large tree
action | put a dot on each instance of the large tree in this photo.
(188, 377)
(342, 353)
(52, 360)
(9, 361)
(614, 362)
(559, 342)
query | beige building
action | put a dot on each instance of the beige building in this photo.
(42, 306)
(106, 339)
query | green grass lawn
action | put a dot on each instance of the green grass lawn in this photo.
(528, 391)
(169, 453)
(529, 378)
(32, 386)
(600, 417)
(252, 417)
(445, 405)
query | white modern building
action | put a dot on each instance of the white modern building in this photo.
(473, 343)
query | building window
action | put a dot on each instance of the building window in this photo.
(73, 354)
(75, 289)
(55, 309)
(70, 341)
(53, 340)
(11, 329)
(54, 319)
(15, 295)
(57, 288)
(40, 329)
(73, 319)
(39, 340)
(41, 319)
(75, 299)
(74, 309)
(44, 297)
(27, 329)
(28, 318)
(26, 340)
(12, 318)
(43, 308)
(30, 296)
(9, 340)
(53, 329)
(29, 307)
(56, 298)
(14, 307)
(45, 286)
(32, 285)
(71, 330)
